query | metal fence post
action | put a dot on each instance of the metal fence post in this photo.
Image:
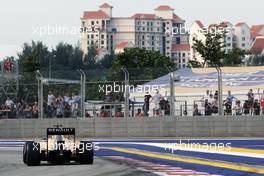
(172, 94)
(126, 91)
(39, 78)
(220, 91)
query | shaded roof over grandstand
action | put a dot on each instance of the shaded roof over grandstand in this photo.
(234, 78)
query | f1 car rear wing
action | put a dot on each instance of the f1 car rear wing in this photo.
(60, 131)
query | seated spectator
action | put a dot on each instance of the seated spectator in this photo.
(228, 108)
(196, 111)
(238, 108)
(139, 113)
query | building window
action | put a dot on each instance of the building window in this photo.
(97, 22)
(228, 38)
(179, 54)
(178, 40)
(92, 22)
(143, 29)
(183, 54)
(228, 44)
(243, 38)
(88, 36)
(143, 43)
(102, 42)
(183, 60)
(83, 23)
(243, 44)
(88, 42)
(92, 36)
(102, 36)
(143, 37)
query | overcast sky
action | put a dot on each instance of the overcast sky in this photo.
(21, 19)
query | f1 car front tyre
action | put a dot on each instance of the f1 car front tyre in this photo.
(86, 153)
(31, 153)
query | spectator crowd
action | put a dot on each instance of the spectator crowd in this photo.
(55, 106)
(232, 105)
(69, 105)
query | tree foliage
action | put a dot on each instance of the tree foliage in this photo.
(212, 50)
(141, 63)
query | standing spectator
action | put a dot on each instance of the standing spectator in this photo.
(208, 108)
(262, 103)
(50, 102)
(147, 98)
(157, 98)
(35, 110)
(228, 103)
(216, 95)
(205, 98)
(9, 103)
(250, 96)
(246, 107)
(51, 98)
(66, 98)
(256, 108)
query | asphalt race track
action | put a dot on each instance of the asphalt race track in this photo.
(12, 165)
(162, 157)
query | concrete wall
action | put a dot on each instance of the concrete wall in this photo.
(139, 127)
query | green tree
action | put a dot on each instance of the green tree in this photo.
(234, 57)
(212, 50)
(33, 56)
(144, 64)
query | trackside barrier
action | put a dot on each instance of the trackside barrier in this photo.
(200, 126)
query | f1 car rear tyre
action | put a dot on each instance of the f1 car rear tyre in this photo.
(86, 153)
(31, 153)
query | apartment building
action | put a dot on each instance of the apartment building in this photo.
(256, 30)
(237, 36)
(242, 36)
(160, 31)
(181, 54)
